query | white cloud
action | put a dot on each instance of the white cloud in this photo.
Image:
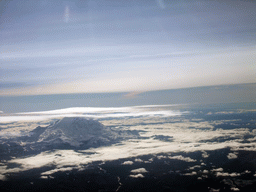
(139, 170)
(218, 169)
(186, 136)
(246, 172)
(138, 160)
(221, 174)
(137, 176)
(161, 157)
(232, 156)
(92, 112)
(180, 157)
(67, 14)
(2, 177)
(196, 166)
(214, 190)
(205, 154)
(127, 163)
(252, 139)
(234, 174)
(191, 174)
(57, 170)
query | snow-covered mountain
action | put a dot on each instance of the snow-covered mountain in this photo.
(75, 131)
(69, 132)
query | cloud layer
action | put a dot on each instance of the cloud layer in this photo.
(187, 135)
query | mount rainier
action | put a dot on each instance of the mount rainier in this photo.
(67, 133)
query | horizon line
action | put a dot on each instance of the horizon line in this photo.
(127, 92)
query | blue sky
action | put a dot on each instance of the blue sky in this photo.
(77, 46)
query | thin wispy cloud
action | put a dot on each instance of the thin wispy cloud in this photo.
(66, 14)
(112, 35)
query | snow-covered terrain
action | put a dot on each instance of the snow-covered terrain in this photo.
(76, 130)
(68, 132)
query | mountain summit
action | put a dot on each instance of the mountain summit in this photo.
(75, 131)
(67, 133)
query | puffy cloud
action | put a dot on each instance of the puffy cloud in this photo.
(246, 172)
(180, 157)
(234, 174)
(137, 176)
(205, 154)
(127, 163)
(218, 169)
(196, 166)
(161, 157)
(252, 139)
(140, 170)
(191, 174)
(232, 156)
(138, 160)
(214, 190)
(221, 174)
(2, 177)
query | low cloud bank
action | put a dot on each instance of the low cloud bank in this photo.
(93, 112)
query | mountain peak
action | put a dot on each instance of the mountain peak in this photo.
(74, 130)
(78, 124)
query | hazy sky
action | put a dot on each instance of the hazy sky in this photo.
(125, 45)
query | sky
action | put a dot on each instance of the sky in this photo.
(50, 47)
